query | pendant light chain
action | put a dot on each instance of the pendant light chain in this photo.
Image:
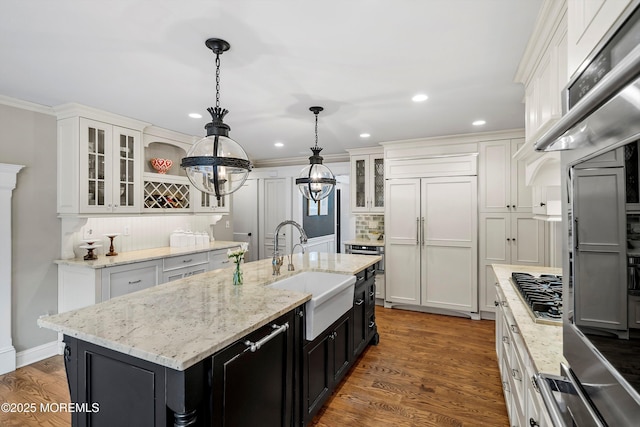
(217, 80)
(316, 130)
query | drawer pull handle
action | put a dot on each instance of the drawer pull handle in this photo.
(535, 384)
(505, 387)
(135, 281)
(514, 328)
(372, 324)
(371, 294)
(225, 262)
(359, 302)
(187, 260)
(505, 340)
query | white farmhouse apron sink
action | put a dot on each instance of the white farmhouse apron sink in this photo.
(332, 296)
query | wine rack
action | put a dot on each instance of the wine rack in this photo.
(163, 193)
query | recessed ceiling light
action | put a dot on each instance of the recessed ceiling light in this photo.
(421, 97)
(365, 135)
(195, 115)
(279, 144)
(479, 123)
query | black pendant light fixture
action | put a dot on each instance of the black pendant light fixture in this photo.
(217, 164)
(316, 181)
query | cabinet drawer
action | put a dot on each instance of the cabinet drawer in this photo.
(185, 261)
(180, 273)
(125, 279)
(219, 259)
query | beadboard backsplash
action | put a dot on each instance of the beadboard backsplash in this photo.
(368, 223)
(144, 232)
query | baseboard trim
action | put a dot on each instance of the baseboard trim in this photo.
(36, 354)
(7, 360)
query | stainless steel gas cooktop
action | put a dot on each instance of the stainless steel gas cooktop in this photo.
(542, 295)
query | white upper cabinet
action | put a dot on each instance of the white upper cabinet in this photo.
(207, 203)
(543, 70)
(367, 180)
(501, 180)
(589, 21)
(172, 191)
(99, 162)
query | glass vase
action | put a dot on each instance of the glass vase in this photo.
(237, 275)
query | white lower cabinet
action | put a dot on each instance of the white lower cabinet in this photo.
(82, 285)
(179, 267)
(522, 397)
(219, 259)
(124, 279)
(507, 238)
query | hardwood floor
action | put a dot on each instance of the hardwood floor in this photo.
(44, 382)
(428, 370)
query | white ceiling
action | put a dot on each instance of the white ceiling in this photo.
(362, 60)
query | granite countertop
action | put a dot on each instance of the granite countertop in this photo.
(365, 242)
(145, 255)
(543, 342)
(178, 324)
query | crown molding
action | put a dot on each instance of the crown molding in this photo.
(551, 18)
(26, 105)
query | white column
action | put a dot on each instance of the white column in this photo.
(7, 184)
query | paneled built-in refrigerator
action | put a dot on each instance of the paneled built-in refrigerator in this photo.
(431, 238)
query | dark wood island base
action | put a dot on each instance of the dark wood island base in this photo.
(130, 391)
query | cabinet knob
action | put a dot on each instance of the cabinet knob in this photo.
(508, 239)
(543, 204)
(533, 423)
(516, 375)
(496, 303)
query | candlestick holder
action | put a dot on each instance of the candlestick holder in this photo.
(90, 247)
(111, 236)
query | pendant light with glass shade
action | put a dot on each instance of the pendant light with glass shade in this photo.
(316, 181)
(216, 164)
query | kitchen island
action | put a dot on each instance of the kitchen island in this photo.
(524, 347)
(152, 357)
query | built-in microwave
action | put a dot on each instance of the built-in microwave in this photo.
(599, 137)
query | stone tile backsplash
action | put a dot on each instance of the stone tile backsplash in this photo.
(368, 223)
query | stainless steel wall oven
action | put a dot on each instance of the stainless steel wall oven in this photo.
(600, 137)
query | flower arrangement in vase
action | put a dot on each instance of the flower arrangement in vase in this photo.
(238, 256)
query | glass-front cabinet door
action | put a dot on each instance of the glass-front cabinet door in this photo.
(205, 202)
(377, 184)
(359, 172)
(96, 163)
(109, 169)
(126, 170)
(367, 181)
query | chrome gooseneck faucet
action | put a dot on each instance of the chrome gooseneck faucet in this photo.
(276, 262)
